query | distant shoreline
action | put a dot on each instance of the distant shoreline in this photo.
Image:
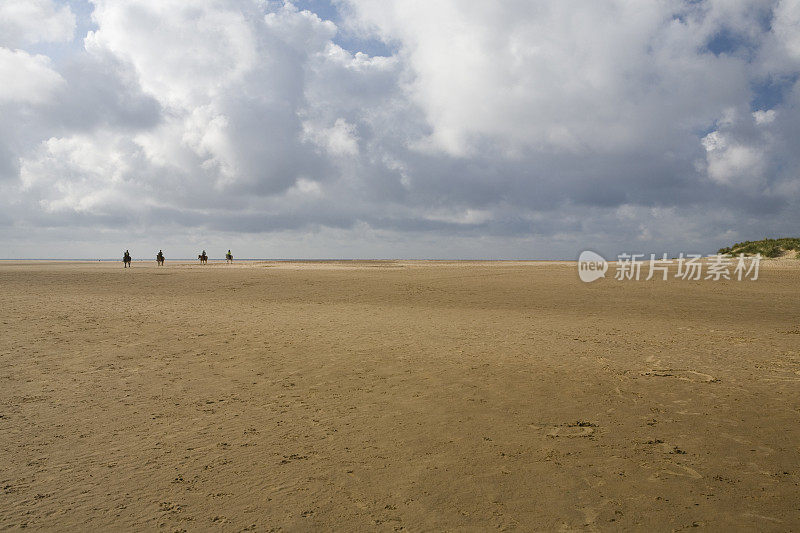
(222, 259)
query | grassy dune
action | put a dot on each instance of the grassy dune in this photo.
(766, 247)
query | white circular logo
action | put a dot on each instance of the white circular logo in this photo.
(591, 266)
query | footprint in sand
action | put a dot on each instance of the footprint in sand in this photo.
(683, 375)
(761, 449)
(578, 429)
(567, 431)
(627, 395)
(677, 470)
(762, 517)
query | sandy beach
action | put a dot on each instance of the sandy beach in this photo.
(392, 395)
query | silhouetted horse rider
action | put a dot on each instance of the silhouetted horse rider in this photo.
(160, 258)
(229, 257)
(203, 258)
(126, 259)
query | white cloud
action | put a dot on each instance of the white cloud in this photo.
(735, 164)
(24, 22)
(739, 150)
(764, 117)
(77, 175)
(592, 75)
(338, 140)
(184, 53)
(27, 78)
(305, 187)
(786, 26)
(468, 216)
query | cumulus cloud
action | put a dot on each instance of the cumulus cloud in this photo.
(784, 28)
(24, 22)
(600, 76)
(509, 128)
(26, 78)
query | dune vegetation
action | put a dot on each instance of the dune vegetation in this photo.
(766, 247)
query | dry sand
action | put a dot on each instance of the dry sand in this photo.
(395, 395)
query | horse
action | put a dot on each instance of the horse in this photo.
(126, 260)
(160, 259)
(229, 257)
(203, 258)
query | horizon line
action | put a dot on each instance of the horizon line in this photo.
(187, 259)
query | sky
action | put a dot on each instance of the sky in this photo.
(512, 129)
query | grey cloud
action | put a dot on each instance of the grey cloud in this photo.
(101, 92)
(642, 132)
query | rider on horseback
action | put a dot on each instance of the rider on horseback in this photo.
(160, 257)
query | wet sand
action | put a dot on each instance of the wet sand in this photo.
(395, 396)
